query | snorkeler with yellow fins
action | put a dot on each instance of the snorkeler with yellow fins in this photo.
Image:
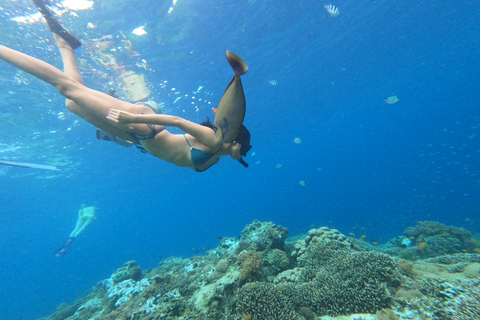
(199, 148)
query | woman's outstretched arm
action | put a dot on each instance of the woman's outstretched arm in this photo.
(204, 134)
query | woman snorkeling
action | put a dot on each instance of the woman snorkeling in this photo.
(198, 148)
(86, 215)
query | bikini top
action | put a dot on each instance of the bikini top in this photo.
(199, 157)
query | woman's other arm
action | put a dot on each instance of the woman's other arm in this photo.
(204, 134)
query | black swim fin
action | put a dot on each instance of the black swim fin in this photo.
(55, 26)
(103, 135)
(63, 249)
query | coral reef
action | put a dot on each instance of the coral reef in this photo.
(250, 266)
(333, 278)
(458, 299)
(129, 270)
(316, 235)
(264, 235)
(322, 275)
(433, 239)
(428, 239)
(263, 301)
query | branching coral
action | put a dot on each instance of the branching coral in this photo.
(332, 279)
(263, 301)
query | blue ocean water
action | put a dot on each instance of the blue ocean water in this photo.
(369, 167)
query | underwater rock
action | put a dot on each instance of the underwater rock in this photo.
(129, 270)
(274, 261)
(63, 311)
(316, 235)
(451, 259)
(472, 271)
(264, 235)
(448, 299)
(125, 290)
(215, 293)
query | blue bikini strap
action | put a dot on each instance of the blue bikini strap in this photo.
(185, 136)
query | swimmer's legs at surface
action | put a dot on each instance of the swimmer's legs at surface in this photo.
(70, 67)
(91, 105)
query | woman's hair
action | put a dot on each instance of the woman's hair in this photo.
(207, 123)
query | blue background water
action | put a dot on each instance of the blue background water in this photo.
(366, 163)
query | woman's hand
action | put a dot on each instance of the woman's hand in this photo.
(119, 116)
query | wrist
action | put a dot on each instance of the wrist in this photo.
(136, 118)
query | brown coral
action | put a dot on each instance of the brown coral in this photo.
(250, 266)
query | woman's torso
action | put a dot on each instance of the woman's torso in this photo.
(177, 149)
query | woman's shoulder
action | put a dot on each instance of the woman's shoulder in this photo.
(209, 145)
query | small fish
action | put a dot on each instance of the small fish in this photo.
(302, 183)
(273, 82)
(334, 12)
(392, 100)
(297, 140)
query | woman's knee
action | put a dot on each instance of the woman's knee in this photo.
(72, 106)
(68, 87)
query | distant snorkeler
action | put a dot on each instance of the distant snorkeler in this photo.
(86, 215)
(198, 148)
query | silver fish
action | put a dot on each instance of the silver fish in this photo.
(334, 12)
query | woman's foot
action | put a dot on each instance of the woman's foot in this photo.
(55, 26)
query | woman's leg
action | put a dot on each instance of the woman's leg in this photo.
(91, 105)
(71, 69)
(70, 66)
